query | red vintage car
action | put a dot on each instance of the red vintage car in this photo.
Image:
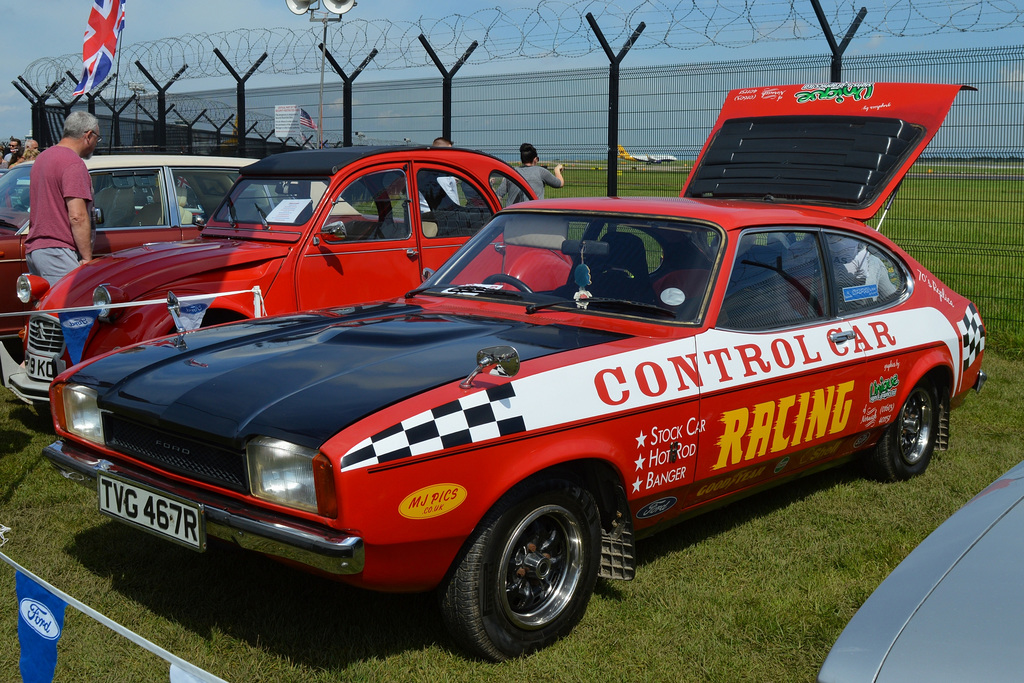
(140, 199)
(581, 374)
(309, 229)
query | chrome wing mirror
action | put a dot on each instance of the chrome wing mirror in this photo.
(503, 359)
(174, 308)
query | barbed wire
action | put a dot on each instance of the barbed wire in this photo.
(552, 28)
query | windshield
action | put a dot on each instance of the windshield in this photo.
(14, 198)
(605, 264)
(269, 203)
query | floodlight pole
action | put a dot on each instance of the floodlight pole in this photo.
(613, 98)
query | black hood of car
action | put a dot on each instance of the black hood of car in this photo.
(305, 377)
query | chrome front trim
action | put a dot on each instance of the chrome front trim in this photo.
(227, 519)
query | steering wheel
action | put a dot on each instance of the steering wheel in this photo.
(508, 280)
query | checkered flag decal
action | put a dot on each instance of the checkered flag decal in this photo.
(972, 336)
(477, 417)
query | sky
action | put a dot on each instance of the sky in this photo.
(34, 34)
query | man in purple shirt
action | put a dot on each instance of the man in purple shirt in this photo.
(60, 194)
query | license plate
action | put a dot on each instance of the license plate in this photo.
(43, 368)
(169, 517)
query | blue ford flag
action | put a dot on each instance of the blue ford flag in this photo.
(40, 623)
(76, 326)
(192, 315)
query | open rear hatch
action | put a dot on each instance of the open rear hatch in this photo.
(839, 147)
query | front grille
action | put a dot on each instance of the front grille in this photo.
(44, 335)
(177, 454)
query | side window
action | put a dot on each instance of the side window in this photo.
(776, 281)
(865, 276)
(129, 198)
(199, 190)
(450, 206)
(509, 190)
(372, 207)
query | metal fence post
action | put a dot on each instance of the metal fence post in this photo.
(613, 98)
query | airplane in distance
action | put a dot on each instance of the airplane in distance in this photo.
(645, 158)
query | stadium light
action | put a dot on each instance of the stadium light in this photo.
(337, 7)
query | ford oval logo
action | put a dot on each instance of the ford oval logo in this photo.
(656, 508)
(39, 618)
(80, 321)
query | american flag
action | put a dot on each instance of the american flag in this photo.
(106, 21)
(306, 120)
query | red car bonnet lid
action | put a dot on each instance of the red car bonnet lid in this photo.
(839, 147)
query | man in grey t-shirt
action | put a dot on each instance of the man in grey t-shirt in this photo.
(538, 176)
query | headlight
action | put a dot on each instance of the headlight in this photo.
(31, 287)
(81, 413)
(292, 475)
(103, 296)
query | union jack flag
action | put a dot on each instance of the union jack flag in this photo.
(106, 21)
(306, 120)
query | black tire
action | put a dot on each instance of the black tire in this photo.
(905, 449)
(527, 573)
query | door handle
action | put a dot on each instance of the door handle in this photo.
(411, 253)
(840, 337)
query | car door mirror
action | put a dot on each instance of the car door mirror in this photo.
(503, 359)
(97, 215)
(336, 228)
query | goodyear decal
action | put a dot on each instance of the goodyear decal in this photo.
(432, 501)
(677, 370)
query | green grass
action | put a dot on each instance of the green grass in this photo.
(756, 591)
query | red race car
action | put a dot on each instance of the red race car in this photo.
(309, 229)
(582, 373)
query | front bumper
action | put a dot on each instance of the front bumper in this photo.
(15, 378)
(261, 531)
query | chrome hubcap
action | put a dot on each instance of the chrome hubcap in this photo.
(543, 563)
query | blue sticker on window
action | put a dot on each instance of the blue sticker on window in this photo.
(859, 293)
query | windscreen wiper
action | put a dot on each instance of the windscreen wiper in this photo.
(232, 217)
(621, 304)
(263, 216)
(467, 289)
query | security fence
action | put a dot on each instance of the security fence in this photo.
(960, 211)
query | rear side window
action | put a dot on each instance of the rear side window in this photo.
(865, 276)
(130, 198)
(776, 281)
(450, 205)
(199, 190)
(509, 190)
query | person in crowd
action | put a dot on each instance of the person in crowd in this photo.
(536, 175)
(14, 157)
(30, 153)
(60, 193)
(13, 152)
(441, 142)
(32, 144)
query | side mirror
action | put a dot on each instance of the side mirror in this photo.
(97, 215)
(198, 222)
(504, 359)
(336, 228)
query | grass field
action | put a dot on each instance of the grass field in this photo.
(757, 591)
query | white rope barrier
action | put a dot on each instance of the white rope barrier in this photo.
(175, 661)
(257, 303)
